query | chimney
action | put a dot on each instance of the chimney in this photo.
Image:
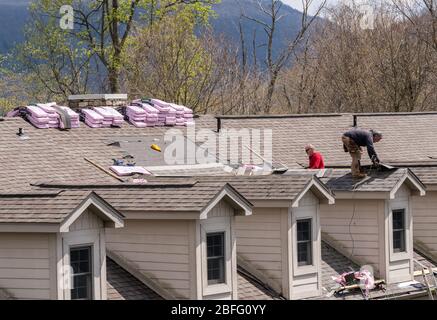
(97, 100)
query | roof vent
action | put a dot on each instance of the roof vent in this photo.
(21, 134)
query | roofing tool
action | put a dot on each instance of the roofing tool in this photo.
(103, 169)
(130, 160)
(155, 147)
(301, 164)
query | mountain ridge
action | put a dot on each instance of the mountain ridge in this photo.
(14, 14)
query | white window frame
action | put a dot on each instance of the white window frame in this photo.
(91, 262)
(311, 241)
(83, 238)
(216, 225)
(299, 214)
(393, 206)
(402, 231)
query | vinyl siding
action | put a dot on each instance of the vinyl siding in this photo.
(259, 242)
(222, 209)
(87, 221)
(425, 220)
(354, 224)
(157, 248)
(24, 265)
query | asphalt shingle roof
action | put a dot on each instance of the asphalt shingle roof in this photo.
(341, 180)
(40, 209)
(273, 187)
(121, 285)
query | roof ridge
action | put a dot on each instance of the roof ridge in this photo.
(115, 186)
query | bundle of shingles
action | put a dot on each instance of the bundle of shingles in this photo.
(167, 115)
(50, 115)
(102, 117)
(155, 112)
(140, 117)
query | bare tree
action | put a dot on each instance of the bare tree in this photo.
(276, 62)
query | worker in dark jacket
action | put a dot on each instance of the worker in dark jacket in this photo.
(353, 140)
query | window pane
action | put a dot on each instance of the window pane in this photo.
(399, 244)
(80, 260)
(304, 242)
(398, 219)
(303, 230)
(215, 243)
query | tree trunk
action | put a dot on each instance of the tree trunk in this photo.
(114, 83)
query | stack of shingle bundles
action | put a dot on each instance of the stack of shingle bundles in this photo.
(167, 114)
(74, 117)
(92, 118)
(111, 117)
(51, 113)
(189, 116)
(152, 114)
(53, 110)
(38, 117)
(137, 116)
(117, 117)
(180, 119)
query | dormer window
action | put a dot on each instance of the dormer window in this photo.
(399, 244)
(215, 244)
(82, 277)
(304, 242)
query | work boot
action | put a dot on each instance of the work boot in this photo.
(359, 176)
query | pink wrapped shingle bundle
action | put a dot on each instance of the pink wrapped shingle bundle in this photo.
(167, 114)
(38, 117)
(152, 113)
(138, 117)
(184, 115)
(160, 105)
(51, 112)
(74, 117)
(92, 118)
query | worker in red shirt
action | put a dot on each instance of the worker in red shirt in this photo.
(315, 158)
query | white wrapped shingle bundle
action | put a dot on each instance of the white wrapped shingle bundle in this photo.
(92, 118)
(107, 116)
(111, 117)
(117, 117)
(38, 117)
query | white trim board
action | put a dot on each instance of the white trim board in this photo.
(106, 213)
(238, 201)
(318, 192)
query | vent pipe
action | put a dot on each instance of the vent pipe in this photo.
(219, 124)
